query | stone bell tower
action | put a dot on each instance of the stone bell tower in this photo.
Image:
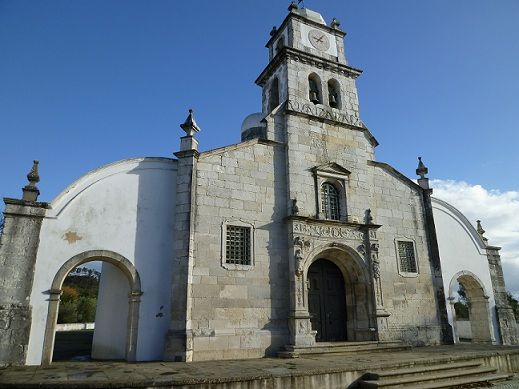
(308, 69)
(310, 104)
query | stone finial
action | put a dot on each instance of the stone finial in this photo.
(273, 31)
(480, 230)
(335, 24)
(31, 191)
(422, 170)
(190, 126)
(293, 6)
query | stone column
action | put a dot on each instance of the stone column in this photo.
(505, 314)
(18, 248)
(301, 333)
(179, 340)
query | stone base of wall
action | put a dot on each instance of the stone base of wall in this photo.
(415, 336)
(248, 344)
(15, 324)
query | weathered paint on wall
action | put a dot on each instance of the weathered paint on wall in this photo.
(462, 250)
(126, 207)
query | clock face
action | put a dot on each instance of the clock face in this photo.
(319, 40)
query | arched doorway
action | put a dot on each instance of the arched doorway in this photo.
(477, 328)
(327, 301)
(121, 271)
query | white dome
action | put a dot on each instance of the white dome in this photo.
(252, 121)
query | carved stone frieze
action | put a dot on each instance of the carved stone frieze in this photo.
(334, 232)
(322, 112)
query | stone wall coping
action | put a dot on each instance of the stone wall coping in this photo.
(64, 198)
(455, 213)
(290, 52)
(235, 146)
(26, 203)
(391, 170)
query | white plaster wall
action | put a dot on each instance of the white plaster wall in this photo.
(126, 207)
(111, 314)
(461, 249)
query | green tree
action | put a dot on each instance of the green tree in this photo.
(86, 310)
(79, 296)
(462, 306)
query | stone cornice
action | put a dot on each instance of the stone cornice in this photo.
(332, 223)
(294, 15)
(25, 203)
(289, 53)
(187, 153)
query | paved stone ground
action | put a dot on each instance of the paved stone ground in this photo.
(119, 374)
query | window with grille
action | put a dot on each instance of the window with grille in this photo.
(406, 257)
(238, 245)
(330, 202)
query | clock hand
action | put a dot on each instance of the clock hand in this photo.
(319, 39)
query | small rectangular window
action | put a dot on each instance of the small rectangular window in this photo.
(238, 244)
(406, 257)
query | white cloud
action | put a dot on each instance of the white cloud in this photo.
(499, 215)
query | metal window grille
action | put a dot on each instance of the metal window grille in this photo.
(407, 258)
(237, 248)
(330, 202)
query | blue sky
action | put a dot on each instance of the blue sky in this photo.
(85, 83)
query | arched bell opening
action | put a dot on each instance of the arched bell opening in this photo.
(125, 277)
(340, 297)
(469, 309)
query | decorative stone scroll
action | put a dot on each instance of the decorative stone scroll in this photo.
(322, 112)
(334, 232)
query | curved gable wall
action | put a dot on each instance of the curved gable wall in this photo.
(461, 250)
(127, 207)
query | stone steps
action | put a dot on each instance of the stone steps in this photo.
(341, 348)
(439, 375)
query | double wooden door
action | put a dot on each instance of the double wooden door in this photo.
(327, 301)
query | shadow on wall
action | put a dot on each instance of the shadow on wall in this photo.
(154, 251)
(277, 256)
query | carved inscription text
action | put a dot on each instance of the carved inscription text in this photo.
(329, 231)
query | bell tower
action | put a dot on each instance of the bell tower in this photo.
(308, 70)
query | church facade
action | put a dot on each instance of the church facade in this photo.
(293, 237)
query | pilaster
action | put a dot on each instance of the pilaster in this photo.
(434, 254)
(504, 312)
(179, 341)
(18, 248)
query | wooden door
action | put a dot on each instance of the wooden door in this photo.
(327, 301)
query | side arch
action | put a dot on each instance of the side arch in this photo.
(134, 281)
(479, 312)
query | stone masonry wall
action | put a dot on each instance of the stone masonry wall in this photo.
(240, 313)
(395, 204)
(18, 247)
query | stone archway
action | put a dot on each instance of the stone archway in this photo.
(127, 269)
(479, 314)
(357, 294)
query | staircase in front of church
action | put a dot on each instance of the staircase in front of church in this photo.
(291, 351)
(468, 374)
